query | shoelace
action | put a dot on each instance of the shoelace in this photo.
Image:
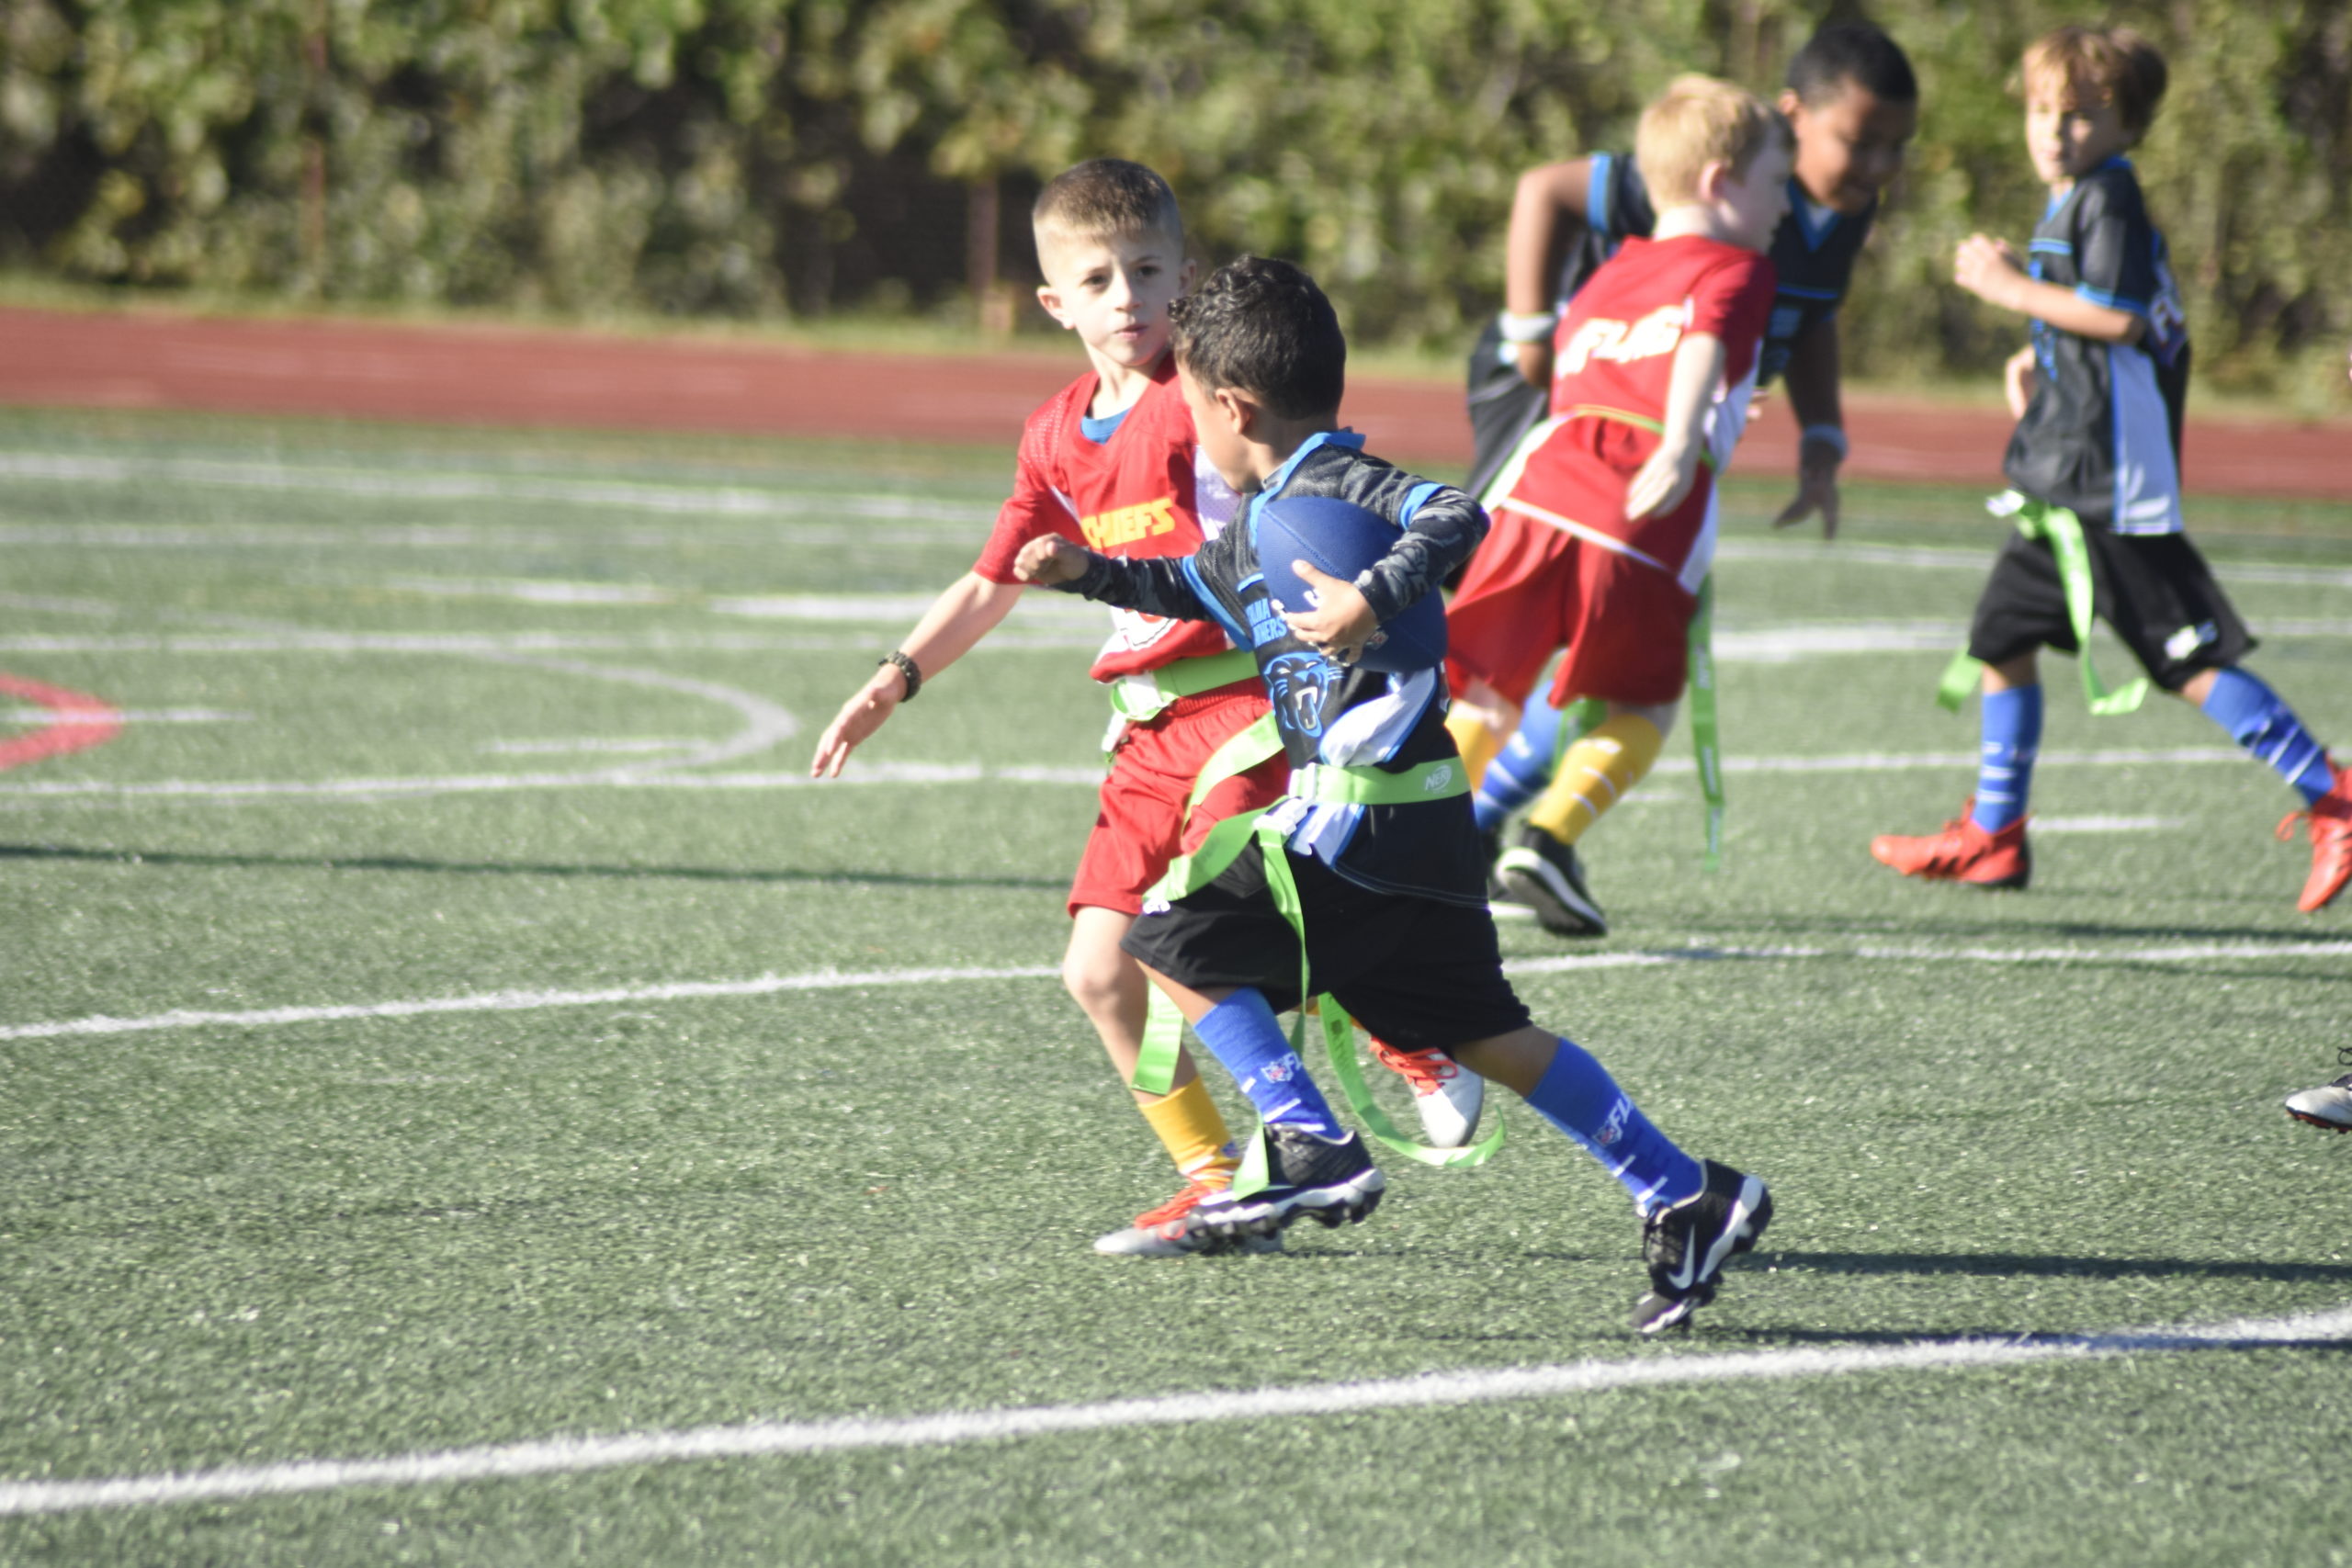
(1425, 1070)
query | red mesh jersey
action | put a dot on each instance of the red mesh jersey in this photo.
(1137, 494)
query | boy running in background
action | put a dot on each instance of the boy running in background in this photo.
(1853, 105)
(1110, 459)
(2096, 467)
(1365, 882)
(1605, 518)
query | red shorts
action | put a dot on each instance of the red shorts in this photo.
(1141, 826)
(1533, 589)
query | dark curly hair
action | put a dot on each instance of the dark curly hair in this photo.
(1262, 326)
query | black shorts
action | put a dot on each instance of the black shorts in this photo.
(2153, 589)
(1419, 974)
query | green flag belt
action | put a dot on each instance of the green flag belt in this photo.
(1320, 783)
(2063, 531)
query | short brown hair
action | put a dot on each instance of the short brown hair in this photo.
(2091, 66)
(1105, 199)
(1699, 120)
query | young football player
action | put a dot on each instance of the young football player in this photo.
(1364, 883)
(1853, 105)
(2094, 467)
(1605, 516)
(1109, 460)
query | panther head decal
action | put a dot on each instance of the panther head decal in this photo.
(1301, 684)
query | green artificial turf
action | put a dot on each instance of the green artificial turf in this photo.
(460, 789)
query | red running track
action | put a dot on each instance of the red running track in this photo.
(501, 376)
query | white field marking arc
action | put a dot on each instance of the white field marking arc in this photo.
(831, 979)
(761, 1439)
(123, 715)
(652, 776)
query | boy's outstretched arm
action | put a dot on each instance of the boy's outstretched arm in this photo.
(1549, 205)
(1989, 269)
(1658, 485)
(1161, 586)
(1813, 376)
(967, 611)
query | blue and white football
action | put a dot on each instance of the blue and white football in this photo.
(1343, 538)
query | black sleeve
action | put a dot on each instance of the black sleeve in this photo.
(1439, 525)
(2115, 247)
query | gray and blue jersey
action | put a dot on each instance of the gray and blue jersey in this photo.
(2102, 435)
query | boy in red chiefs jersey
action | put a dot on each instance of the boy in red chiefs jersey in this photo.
(1108, 462)
(1606, 528)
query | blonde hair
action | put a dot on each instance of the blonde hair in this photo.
(1107, 198)
(1699, 120)
(2094, 66)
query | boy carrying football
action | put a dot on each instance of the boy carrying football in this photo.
(1110, 458)
(1364, 883)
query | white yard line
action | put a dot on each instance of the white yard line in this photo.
(412, 484)
(831, 979)
(658, 776)
(757, 1440)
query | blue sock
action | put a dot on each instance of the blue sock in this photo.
(2268, 727)
(1521, 767)
(1240, 1032)
(2010, 730)
(1577, 1096)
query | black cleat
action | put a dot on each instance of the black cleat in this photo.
(1544, 875)
(1687, 1245)
(1332, 1182)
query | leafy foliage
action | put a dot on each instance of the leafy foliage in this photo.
(761, 157)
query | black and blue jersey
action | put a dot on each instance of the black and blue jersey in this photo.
(2102, 435)
(1329, 713)
(1812, 254)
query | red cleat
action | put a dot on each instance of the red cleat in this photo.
(2331, 829)
(1962, 852)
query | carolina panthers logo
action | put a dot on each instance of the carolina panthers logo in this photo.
(1300, 684)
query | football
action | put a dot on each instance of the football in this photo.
(1343, 538)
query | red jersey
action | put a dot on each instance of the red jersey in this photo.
(1612, 361)
(1139, 494)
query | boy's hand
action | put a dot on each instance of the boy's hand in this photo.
(865, 713)
(1339, 623)
(1049, 558)
(1659, 485)
(1817, 489)
(1989, 269)
(2020, 379)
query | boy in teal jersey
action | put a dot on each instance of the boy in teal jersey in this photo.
(2094, 467)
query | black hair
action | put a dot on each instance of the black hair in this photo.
(1262, 326)
(1856, 52)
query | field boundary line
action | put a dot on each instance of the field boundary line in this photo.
(553, 1455)
(831, 979)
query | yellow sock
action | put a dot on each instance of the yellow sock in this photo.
(1193, 1130)
(1478, 744)
(1599, 769)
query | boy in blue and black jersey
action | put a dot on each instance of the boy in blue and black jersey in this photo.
(1364, 883)
(1852, 104)
(2096, 467)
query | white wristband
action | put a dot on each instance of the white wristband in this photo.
(1527, 329)
(1827, 435)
